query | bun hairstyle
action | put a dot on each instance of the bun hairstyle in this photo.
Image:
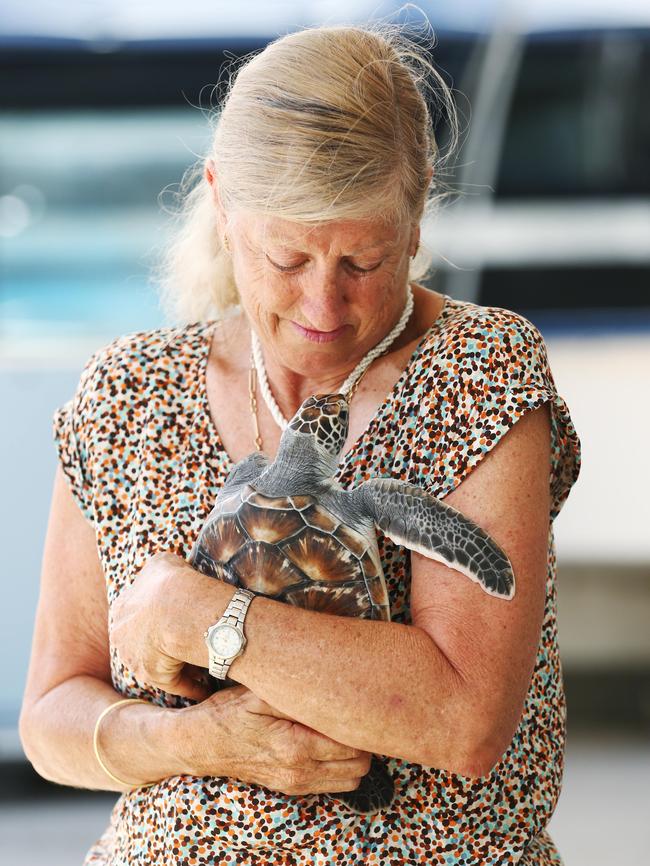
(325, 123)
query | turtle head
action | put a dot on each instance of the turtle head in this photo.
(324, 418)
(309, 448)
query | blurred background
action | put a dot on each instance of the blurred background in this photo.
(103, 108)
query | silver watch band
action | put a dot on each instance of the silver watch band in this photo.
(234, 615)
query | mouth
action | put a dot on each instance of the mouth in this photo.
(319, 336)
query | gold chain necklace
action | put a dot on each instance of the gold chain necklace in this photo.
(252, 382)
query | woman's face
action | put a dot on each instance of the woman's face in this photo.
(320, 297)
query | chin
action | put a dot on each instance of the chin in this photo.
(314, 361)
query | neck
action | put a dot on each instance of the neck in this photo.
(302, 461)
(290, 389)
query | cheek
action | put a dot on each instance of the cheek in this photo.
(263, 293)
(252, 279)
(248, 272)
(381, 289)
(377, 299)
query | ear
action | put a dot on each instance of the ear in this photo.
(210, 175)
(415, 240)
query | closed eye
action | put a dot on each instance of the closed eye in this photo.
(285, 268)
(364, 270)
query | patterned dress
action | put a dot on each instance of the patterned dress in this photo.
(145, 462)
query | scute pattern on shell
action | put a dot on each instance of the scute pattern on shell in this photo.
(145, 463)
(224, 541)
(268, 524)
(288, 554)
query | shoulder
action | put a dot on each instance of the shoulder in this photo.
(152, 349)
(121, 384)
(124, 379)
(472, 344)
(482, 371)
(139, 363)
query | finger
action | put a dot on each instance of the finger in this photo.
(259, 707)
(329, 786)
(322, 748)
(353, 768)
(338, 786)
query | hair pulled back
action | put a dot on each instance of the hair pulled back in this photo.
(325, 123)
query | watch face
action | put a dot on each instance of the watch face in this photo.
(225, 641)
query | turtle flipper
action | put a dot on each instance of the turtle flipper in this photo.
(246, 470)
(413, 518)
(375, 790)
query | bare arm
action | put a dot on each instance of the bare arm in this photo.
(446, 691)
(69, 679)
(69, 684)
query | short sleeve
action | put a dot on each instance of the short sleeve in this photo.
(98, 431)
(72, 432)
(490, 374)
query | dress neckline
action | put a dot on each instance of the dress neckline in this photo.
(212, 432)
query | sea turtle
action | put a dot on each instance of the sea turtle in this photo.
(287, 530)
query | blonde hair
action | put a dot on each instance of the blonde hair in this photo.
(325, 123)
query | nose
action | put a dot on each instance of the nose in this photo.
(324, 301)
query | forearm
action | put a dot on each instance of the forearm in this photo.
(381, 687)
(135, 740)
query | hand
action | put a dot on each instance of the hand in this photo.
(235, 733)
(143, 619)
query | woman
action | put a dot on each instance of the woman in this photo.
(307, 215)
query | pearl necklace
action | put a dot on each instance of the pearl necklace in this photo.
(347, 388)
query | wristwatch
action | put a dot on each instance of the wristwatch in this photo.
(225, 639)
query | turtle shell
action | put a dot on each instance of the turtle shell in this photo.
(295, 550)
